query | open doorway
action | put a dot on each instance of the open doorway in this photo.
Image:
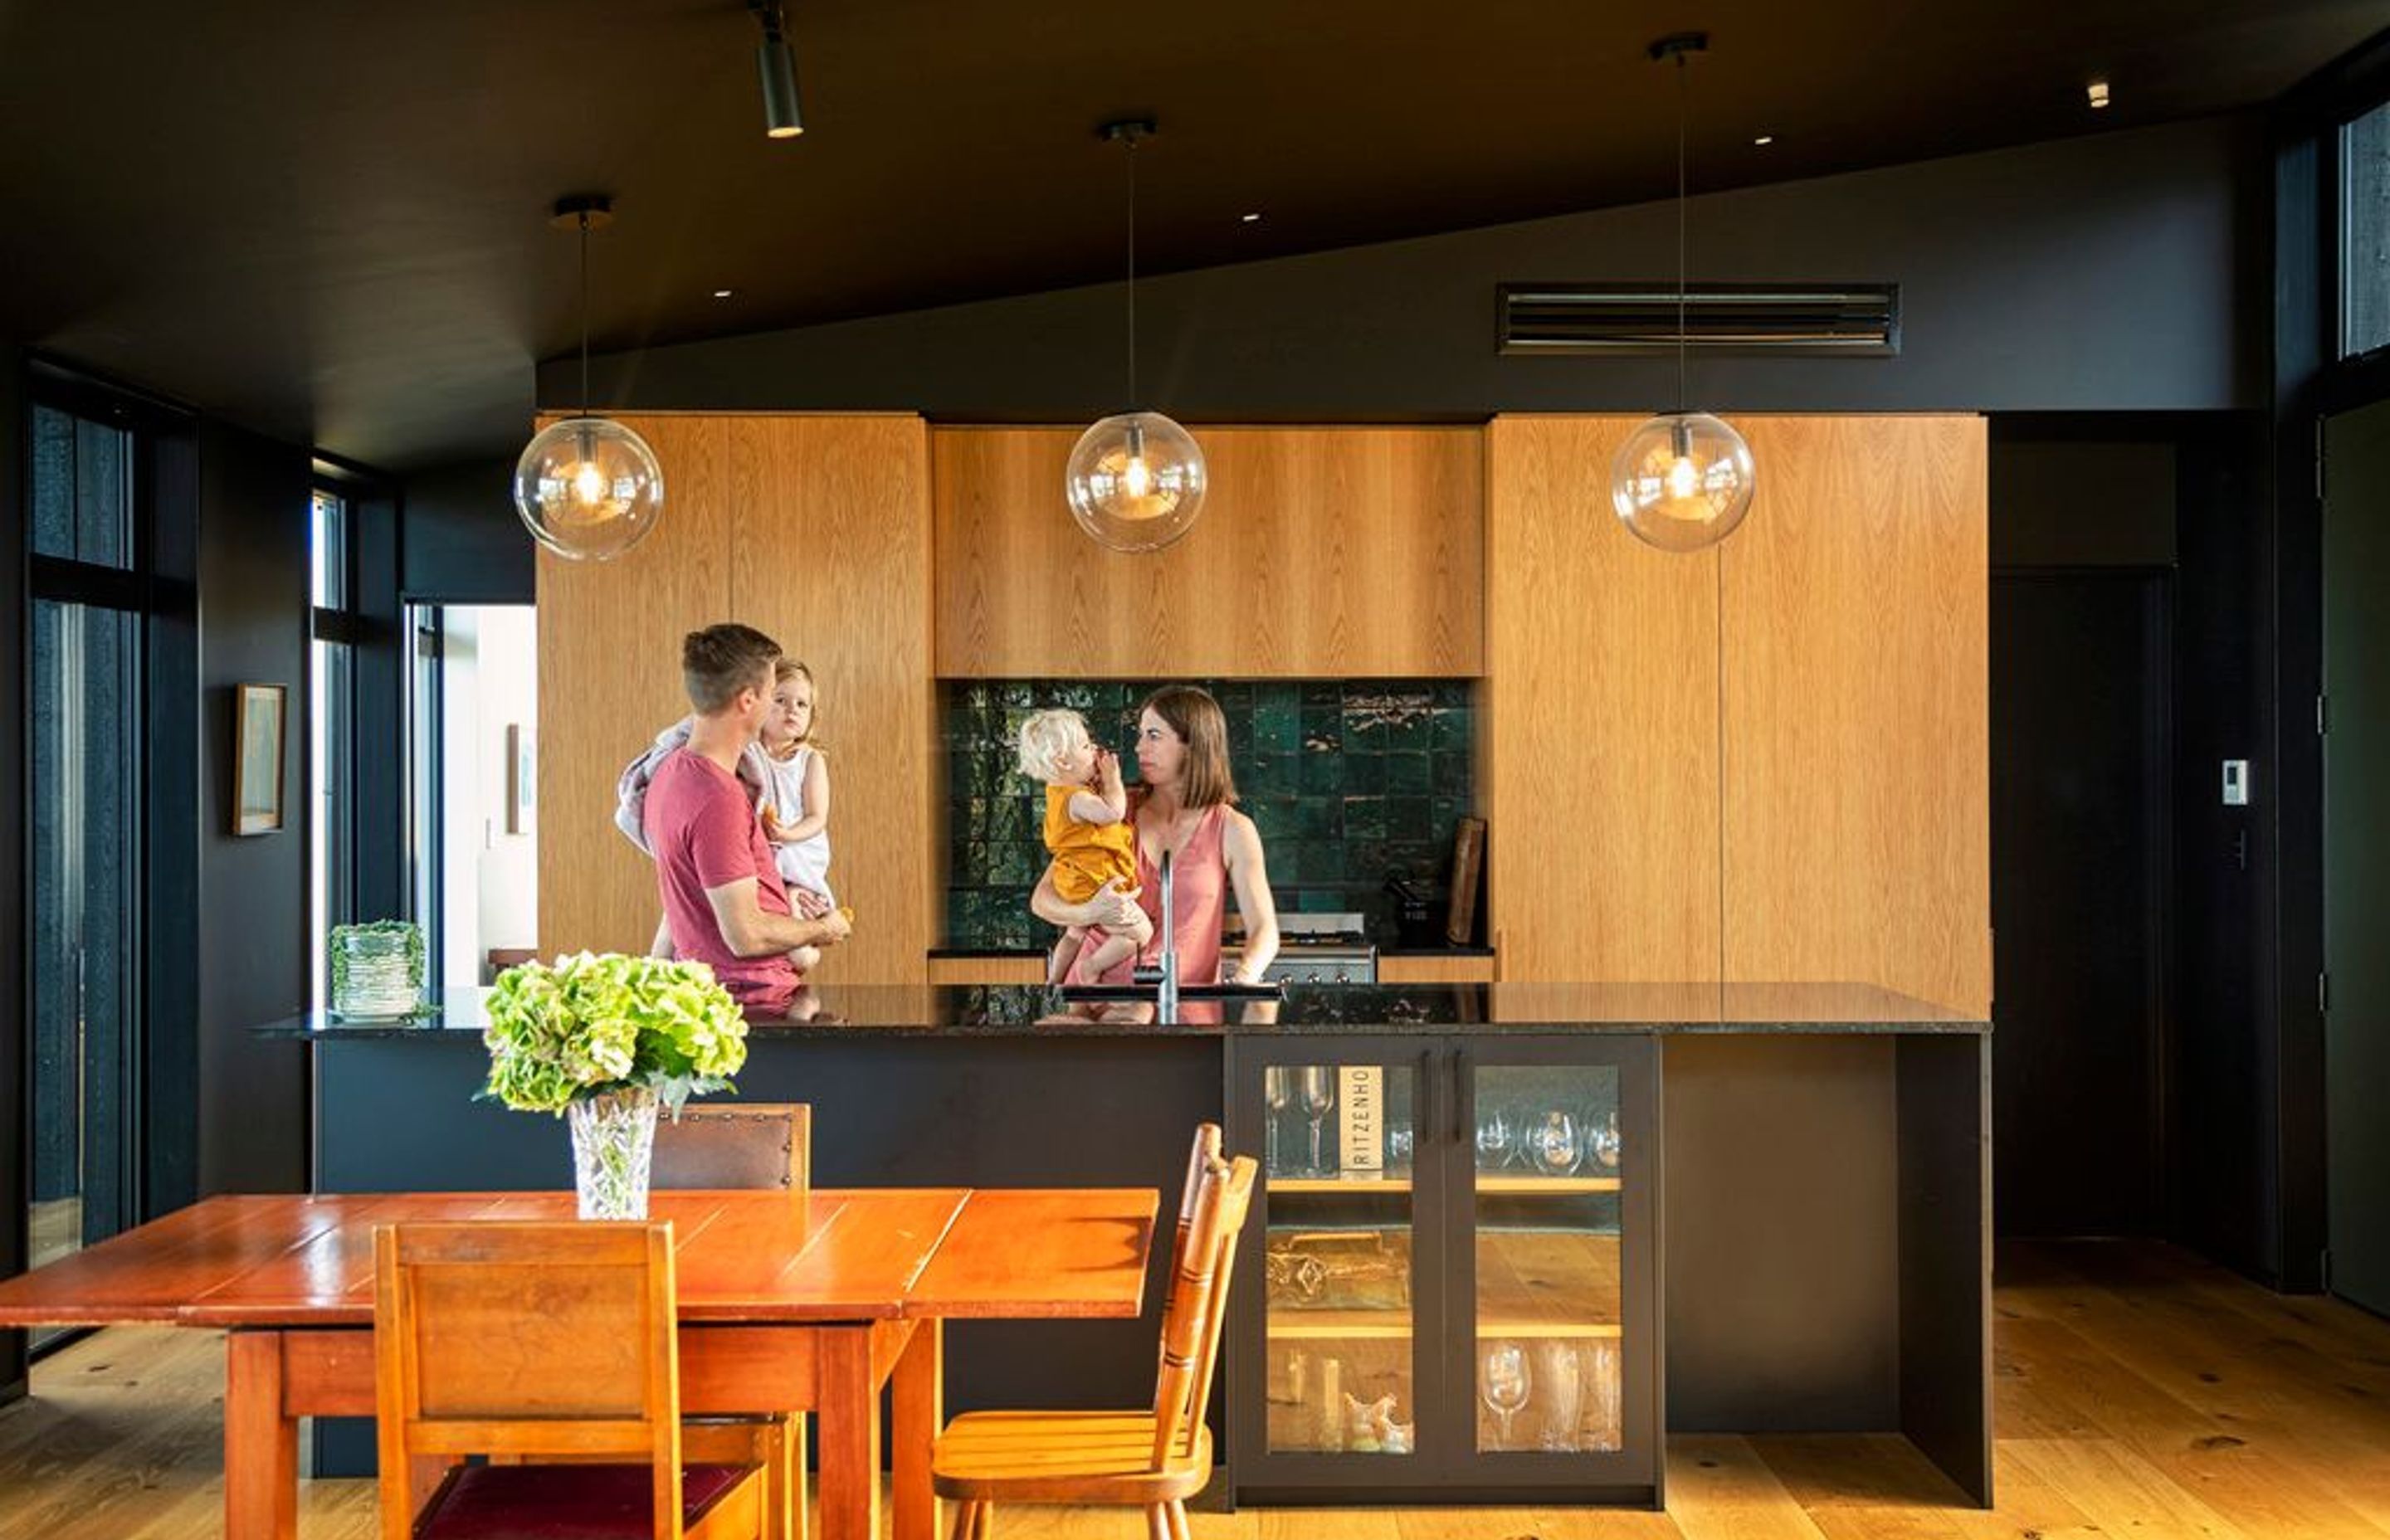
(475, 819)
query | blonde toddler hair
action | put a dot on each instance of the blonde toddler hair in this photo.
(1044, 738)
(787, 668)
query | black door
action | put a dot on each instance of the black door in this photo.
(2357, 851)
(2080, 813)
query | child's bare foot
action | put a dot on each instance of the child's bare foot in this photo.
(807, 959)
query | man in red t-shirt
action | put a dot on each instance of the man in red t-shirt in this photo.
(724, 901)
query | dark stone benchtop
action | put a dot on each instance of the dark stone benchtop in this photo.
(982, 954)
(1027, 1010)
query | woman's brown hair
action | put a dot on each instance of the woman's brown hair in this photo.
(1204, 779)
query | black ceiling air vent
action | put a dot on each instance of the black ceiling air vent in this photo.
(1860, 320)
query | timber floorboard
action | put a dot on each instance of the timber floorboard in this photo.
(2141, 1394)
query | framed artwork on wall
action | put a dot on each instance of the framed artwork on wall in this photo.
(257, 758)
(522, 779)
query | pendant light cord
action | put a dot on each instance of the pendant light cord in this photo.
(1717, 567)
(584, 313)
(1131, 141)
(1680, 234)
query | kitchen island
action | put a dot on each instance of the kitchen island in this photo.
(1534, 1226)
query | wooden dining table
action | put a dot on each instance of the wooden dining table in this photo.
(784, 1306)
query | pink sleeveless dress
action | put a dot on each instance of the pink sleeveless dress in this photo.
(1200, 884)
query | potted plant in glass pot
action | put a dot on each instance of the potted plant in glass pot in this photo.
(604, 1040)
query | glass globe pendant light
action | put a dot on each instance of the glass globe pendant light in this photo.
(1683, 479)
(587, 488)
(1135, 479)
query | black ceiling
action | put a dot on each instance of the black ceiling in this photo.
(327, 219)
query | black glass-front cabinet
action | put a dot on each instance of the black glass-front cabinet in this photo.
(1446, 1289)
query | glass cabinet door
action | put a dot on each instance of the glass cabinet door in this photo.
(1450, 1251)
(1341, 1262)
(1550, 1305)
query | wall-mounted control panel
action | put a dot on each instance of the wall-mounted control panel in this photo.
(2236, 783)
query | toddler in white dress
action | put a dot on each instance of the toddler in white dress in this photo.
(796, 799)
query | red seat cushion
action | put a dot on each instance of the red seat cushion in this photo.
(563, 1502)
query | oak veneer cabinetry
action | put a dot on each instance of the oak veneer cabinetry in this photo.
(1763, 763)
(1600, 737)
(1856, 688)
(1435, 970)
(1322, 553)
(817, 531)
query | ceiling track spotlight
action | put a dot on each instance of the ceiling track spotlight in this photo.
(777, 63)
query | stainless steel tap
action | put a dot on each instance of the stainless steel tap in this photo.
(1165, 978)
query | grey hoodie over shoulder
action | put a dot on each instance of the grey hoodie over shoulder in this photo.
(631, 791)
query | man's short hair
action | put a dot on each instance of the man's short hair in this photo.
(719, 661)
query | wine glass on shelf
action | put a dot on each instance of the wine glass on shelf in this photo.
(1601, 1409)
(1502, 1383)
(1556, 1147)
(1604, 1142)
(1277, 1095)
(1493, 1137)
(1317, 1093)
(1562, 1384)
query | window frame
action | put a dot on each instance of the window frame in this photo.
(335, 631)
(152, 1170)
(2320, 112)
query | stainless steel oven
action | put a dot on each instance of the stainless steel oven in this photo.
(1313, 949)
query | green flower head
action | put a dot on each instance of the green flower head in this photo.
(588, 1025)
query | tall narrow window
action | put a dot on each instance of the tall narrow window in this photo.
(2365, 232)
(84, 824)
(331, 690)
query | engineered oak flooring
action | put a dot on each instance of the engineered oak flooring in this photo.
(2141, 1395)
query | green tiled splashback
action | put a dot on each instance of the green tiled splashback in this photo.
(1349, 783)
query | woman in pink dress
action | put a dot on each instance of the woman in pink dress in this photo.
(1187, 808)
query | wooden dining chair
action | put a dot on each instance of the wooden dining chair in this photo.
(518, 1340)
(745, 1146)
(1153, 1459)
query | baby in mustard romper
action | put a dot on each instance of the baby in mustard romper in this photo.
(1088, 833)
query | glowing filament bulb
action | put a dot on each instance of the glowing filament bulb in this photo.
(1137, 477)
(589, 484)
(1683, 479)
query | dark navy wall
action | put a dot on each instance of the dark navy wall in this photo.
(2224, 1081)
(461, 542)
(2120, 271)
(252, 899)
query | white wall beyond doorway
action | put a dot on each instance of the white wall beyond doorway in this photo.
(489, 815)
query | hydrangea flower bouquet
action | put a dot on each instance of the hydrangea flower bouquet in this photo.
(604, 1040)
